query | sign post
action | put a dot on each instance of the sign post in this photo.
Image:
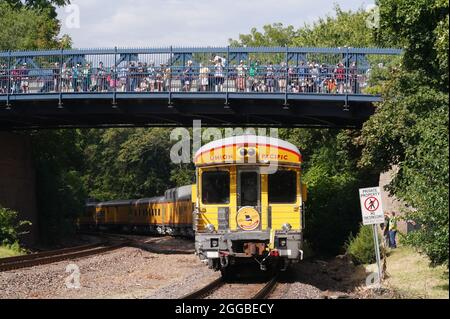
(372, 214)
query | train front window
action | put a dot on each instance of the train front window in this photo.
(249, 195)
(216, 187)
(283, 187)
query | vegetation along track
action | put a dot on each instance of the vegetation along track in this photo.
(209, 289)
(48, 257)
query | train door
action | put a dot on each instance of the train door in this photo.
(248, 201)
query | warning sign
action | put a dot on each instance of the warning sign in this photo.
(371, 207)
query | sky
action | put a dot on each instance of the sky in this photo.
(155, 23)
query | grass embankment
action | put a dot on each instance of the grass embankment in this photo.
(411, 276)
(9, 252)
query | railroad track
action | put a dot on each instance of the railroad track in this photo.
(209, 289)
(140, 242)
(49, 257)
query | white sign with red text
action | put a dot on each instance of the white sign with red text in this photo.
(371, 206)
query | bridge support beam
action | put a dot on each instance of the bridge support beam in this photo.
(17, 180)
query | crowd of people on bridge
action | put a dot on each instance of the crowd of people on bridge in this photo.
(214, 76)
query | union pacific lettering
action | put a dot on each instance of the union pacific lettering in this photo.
(271, 157)
(224, 157)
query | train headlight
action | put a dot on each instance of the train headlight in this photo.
(210, 228)
(287, 227)
(251, 152)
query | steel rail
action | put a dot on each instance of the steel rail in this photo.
(268, 288)
(52, 258)
(205, 291)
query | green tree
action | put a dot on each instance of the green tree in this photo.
(49, 6)
(410, 127)
(131, 163)
(10, 227)
(274, 35)
(26, 29)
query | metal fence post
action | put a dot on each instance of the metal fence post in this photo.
(170, 104)
(114, 102)
(346, 106)
(227, 104)
(8, 85)
(61, 62)
(286, 103)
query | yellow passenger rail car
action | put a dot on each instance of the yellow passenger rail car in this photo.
(250, 203)
(170, 214)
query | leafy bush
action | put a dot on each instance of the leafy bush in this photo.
(361, 247)
(10, 227)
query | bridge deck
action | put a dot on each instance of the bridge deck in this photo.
(283, 87)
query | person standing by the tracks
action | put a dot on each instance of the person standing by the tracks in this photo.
(385, 229)
(393, 230)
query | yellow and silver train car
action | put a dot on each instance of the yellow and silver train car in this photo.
(170, 214)
(250, 202)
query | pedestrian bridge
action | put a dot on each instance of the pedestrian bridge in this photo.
(228, 86)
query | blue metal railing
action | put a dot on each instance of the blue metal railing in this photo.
(225, 70)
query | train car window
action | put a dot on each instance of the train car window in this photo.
(216, 187)
(283, 187)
